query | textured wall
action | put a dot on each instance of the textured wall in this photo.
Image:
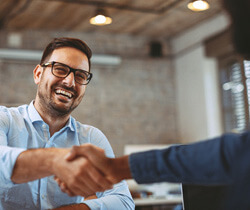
(132, 103)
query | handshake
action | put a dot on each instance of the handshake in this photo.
(90, 171)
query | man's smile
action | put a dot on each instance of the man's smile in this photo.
(64, 93)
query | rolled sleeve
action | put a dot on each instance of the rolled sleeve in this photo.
(8, 156)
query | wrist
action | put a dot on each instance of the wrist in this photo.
(57, 157)
(121, 168)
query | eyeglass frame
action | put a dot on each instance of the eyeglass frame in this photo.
(52, 63)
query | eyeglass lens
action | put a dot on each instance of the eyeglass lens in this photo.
(60, 70)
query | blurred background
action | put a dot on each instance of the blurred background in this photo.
(163, 74)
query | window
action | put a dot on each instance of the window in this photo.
(235, 86)
(234, 74)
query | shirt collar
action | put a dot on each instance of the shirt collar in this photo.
(35, 117)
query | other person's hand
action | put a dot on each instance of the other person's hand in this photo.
(79, 176)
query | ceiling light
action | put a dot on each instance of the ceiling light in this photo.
(198, 5)
(101, 18)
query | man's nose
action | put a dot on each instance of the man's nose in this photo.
(69, 80)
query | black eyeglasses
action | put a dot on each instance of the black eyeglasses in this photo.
(62, 71)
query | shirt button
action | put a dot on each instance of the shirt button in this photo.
(42, 196)
(44, 126)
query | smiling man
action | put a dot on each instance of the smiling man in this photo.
(35, 138)
(59, 95)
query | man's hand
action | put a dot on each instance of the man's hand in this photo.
(114, 169)
(79, 176)
(97, 157)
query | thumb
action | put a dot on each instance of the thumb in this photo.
(93, 153)
(77, 151)
(72, 154)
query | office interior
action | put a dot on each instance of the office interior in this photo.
(156, 81)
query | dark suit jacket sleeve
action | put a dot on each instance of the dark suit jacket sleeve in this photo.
(207, 162)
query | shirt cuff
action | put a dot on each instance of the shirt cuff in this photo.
(93, 204)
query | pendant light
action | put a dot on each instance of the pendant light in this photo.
(101, 18)
(198, 5)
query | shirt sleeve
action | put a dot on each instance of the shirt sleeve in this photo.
(8, 155)
(117, 198)
(207, 162)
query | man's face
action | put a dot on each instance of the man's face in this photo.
(60, 96)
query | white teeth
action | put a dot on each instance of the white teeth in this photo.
(64, 93)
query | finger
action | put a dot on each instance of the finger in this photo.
(79, 185)
(77, 150)
(113, 179)
(65, 189)
(80, 189)
(95, 154)
(90, 197)
(85, 149)
(63, 186)
(58, 181)
(94, 181)
(102, 163)
(86, 179)
(86, 183)
(99, 179)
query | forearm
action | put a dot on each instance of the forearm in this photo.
(206, 162)
(35, 164)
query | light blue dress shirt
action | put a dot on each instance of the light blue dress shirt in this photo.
(22, 128)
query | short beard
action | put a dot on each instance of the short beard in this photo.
(59, 112)
(51, 108)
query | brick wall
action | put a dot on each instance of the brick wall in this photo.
(132, 103)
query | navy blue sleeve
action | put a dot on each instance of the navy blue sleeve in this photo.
(207, 162)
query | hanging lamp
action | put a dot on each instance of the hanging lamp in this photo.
(198, 5)
(101, 18)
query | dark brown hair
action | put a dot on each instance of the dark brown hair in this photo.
(66, 42)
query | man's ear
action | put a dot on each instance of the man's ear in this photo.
(37, 73)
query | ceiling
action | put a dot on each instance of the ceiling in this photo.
(150, 18)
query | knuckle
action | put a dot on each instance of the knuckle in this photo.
(82, 167)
